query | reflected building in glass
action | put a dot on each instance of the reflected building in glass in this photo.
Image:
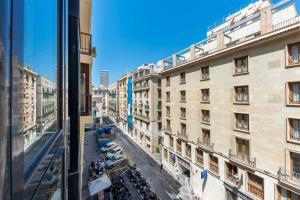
(46, 104)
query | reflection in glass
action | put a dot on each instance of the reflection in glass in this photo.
(39, 91)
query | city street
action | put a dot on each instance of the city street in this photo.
(165, 186)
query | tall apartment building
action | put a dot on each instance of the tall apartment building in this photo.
(104, 78)
(125, 101)
(230, 104)
(29, 102)
(147, 107)
(113, 101)
(87, 54)
(99, 104)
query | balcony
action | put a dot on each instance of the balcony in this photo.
(86, 47)
(205, 145)
(85, 104)
(289, 177)
(168, 130)
(243, 159)
(183, 136)
(145, 87)
(141, 117)
(232, 178)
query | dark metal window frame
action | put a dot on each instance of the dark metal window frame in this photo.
(15, 150)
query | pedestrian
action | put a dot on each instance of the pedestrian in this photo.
(161, 167)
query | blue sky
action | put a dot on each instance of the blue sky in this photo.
(128, 33)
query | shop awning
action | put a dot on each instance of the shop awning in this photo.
(99, 185)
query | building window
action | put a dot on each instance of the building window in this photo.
(284, 194)
(241, 65)
(294, 54)
(241, 121)
(171, 142)
(188, 150)
(168, 110)
(168, 125)
(206, 137)
(159, 93)
(182, 129)
(182, 96)
(243, 150)
(256, 185)
(182, 78)
(241, 94)
(231, 172)
(199, 157)
(165, 154)
(205, 116)
(213, 164)
(294, 129)
(168, 96)
(182, 113)
(294, 93)
(295, 166)
(168, 81)
(171, 158)
(205, 95)
(178, 146)
(205, 73)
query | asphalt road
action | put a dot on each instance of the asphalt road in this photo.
(163, 184)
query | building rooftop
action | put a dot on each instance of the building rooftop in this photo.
(237, 28)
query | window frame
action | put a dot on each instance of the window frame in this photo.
(288, 93)
(235, 120)
(289, 56)
(235, 73)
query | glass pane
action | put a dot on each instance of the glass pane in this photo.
(39, 88)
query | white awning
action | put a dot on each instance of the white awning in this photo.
(99, 184)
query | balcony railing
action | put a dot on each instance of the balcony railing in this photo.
(206, 119)
(182, 135)
(86, 104)
(207, 145)
(188, 153)
(244, 159)
(86, 44)
(241, 98)
(233, 178)
(167, 130)
(205, 76)
(205, 98)
(290, 177)
(286, 23)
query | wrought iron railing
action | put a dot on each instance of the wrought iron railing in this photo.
(86, 44)
(86, 104)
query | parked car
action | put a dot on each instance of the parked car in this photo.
(103, 142)
(115, 160)
(88, 127)
(113, 152)
(108, 147)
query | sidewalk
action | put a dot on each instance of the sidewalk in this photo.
(156, 157)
